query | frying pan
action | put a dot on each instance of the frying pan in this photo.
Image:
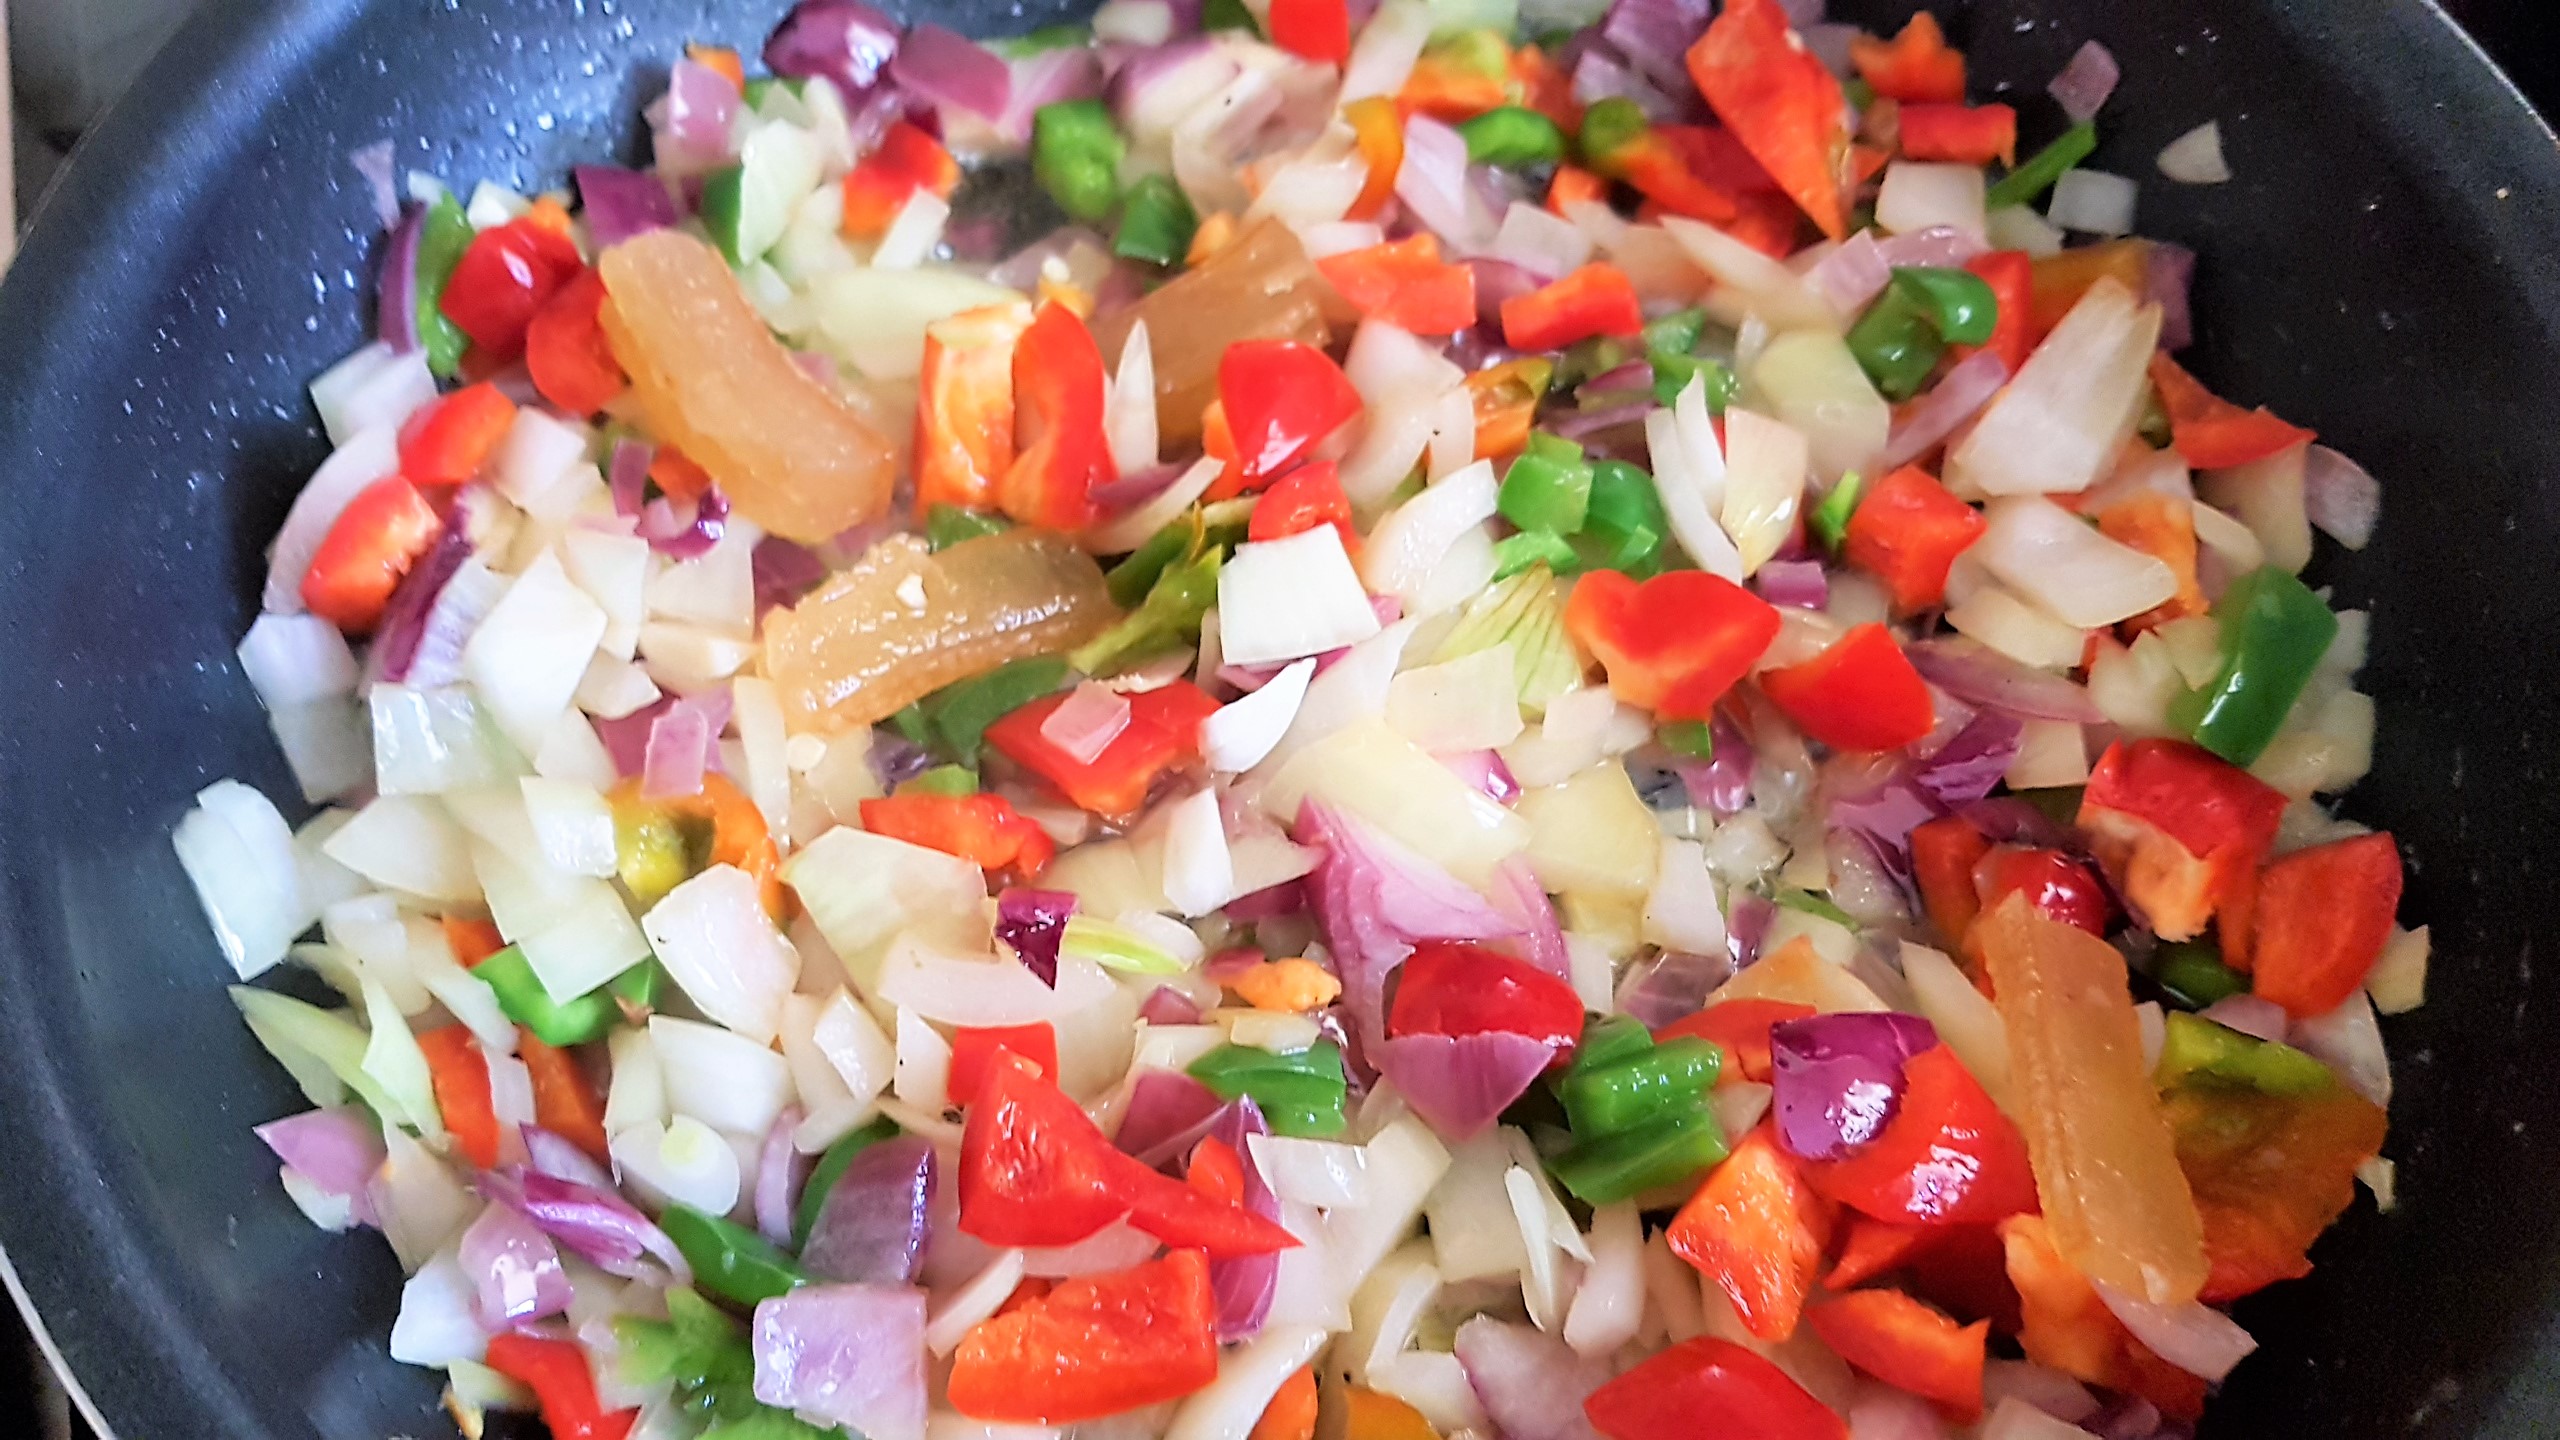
(2385, 267)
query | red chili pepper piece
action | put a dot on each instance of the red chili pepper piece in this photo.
(2210, 432)
(448, 442)
(460, 1074)
(1860, 694)
(1709, 1387)
(380, 534)
(2059, 887)
(1301, 500)
(1948, 1156)
(1673, 644)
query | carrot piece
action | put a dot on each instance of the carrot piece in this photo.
(1291, 1415)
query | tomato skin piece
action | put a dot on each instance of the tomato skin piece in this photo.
(877, 188)
(1452, 988)
(1092, 1346)
(380, 534)
(2059, 887)
(1860, 694)
(1709, 1387)
(1163, 732)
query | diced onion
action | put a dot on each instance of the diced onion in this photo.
(1808, 379)
(1690, 475)
(2053, 558)
(724, 1080)
(2195, 158)
(722, 950)
(1242, 732)
(681, 1162)
(1298, 595)
(1540, 241)
(1130, 417)
(2019, 227)
(1199, 873)
(365, 457)
(239, 854)
(1917, 196)
(1764, 482)
(1400, 554)
(2093, 202)
(2059, 425)
(2017, 629)
(1470, 703)
(2267, 495)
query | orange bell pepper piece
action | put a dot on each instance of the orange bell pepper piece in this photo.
(878, 187)
(1374, 1415)
(1455, 82)
(964, 405)
(1095, 1345)
(460, 1075)
(1915, 67)
(2320, 920)
(1406, 284)
(2210, 432)
(1673, 644)
(720, 60)
(1783, 105)
(1597, 299)
(2066, 1326)
(1759, 1232)
(1860, 694)
(1573, 184)
(2270, 1174)
(1506, 403)
(1870, 1247)
(1291, 1415)
(983, 829)
(565, 1101)
(1378, 129)
(1059, 449)
(471, 941)
(1908, 532)
(2060, 280)
(1740, 1029)
(1907, 1345)
(1543, 86)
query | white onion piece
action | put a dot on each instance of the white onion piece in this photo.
(1764, 483)
(358, 462)
(1919, 196)
(2051, 557)
(722, 950)
(437, 1325)
(1767, 288)
(409, 845)
(373, 388)
(2093, 202)
(724, 1080)
(573, 824)
(1128, 532)
(1247, 1379)
(1689, 474)
(1129, 416)
(1392, 439)
(1608, 1308)
(2017, 629)
(1680, 912)
(2194, 1337)
(296, 660)
(1384, 54)
(1453, 435)
(983, 990)
(1324, 1173)
(1540, 241)
(2015, 1419)
(1199, 874)
(1402, 551)
(681, 1162)
(1352, 688)
(1389, 366)
(2267, 496)
(2342, 498)
(2398, 981)
(525, 659)
(1243, 731)
(1298, 595)
(913, 235)
(2019, 227)
(2195, 158)
(239, 855)
(2234, 544)
(2350, 1040)
(1470, 703)
(2058, 426)
(536, 451)
(1808, 379)
(1340, 237)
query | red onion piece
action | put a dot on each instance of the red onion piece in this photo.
(2343, 498)
(1974, 672)
(1032, 923)
(554, 1154)
(872, 1227)
(2251, 1015)
(1460, 1084)
(2083, 85)
(1746, 925)
(845, 1355)
(1127, 492)
(514, 1268)
(1584, 424)
(395, 304)
(626, 738)
(1853, 274)
(1046, 77)
(1797, 583)
(894, 759)
(943, 67)
(692, 123)
(1672, 985)
(1530, 1384)
(595, 1222)
(1286, 898)
(1085, 724)
(1956, 398)
(1971, 762)
(688, 532)
(1433, 185)
(338, 1150)
(2047, 1389)
(1483, 770)
(1245, 1284)
(627, 476)
(1497, 281)
(1721, 786)
(2168, 279)
(784, 571)
(846, 41)
(1167, 1114)
(779, 1170)
(1655, 36)
(1601, 73)
(1882, 1414)
(406, 620)
(2008, 820)
(1939, 246)
(1168, 1006)
(2349, 1041)
(1519, 897)
(2194, 1337)
(374, 163)
(683, 744)
(619, 203)
(1838, 1078)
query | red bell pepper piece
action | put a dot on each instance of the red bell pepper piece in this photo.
(876, 189)
(1318, 30)
(1915, 67)
(565, 1101)
(1943, 854)
(1093, 1346)
(566, 351)
(1908, 532)
(1670, 166)
(505, 277)
(1573, 184)
(2066, 1326)
(1709, 1387)
(2011, 274)
(1449, 988)
(448, 442)
(1215, 1170)
(1964, 134)
(1948, 1156)
(1281, 397)
(2321, 918)
(974, 1047)
(2057, 886)
(1908, 1346)
(1597, 299)
(1301, 500)
(2177, 829)
(380, 534)
(1781, 103)
(2163, 527)
(2210, 432)
(1870, 1248)
(983, 829)
(1740, 1029)
(460, 1074)
(1673, 644)
(1059, 449)
(1758, 1230)
(1034, 1170)
(1406, 284)
(1163, 732)
(1860, 694)
(964, 405)
(557, 1374)
(1377, 127)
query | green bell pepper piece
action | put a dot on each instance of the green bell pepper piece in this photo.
(1217, 15)
(1677, 333)
(830, 1168)
(443, 235)
(2031, 179)
(1695, 739)
(1301, 1093)
(960, 714)
(1622, 1166)
(1661, 1081)
(1895, 344)
(2274, 632)
(1611, 126)
(1548, 486)
(1513, 136)
(1156, 222)
(724, 205)
(1137, 573)
(1674, 373)
(2194, 975)
(2193, 1046)
(948, 525)
(522, 999)
(730, 1260)
(1171, 613)
(952, 780)
(1076, 152)
(696, 1346)
(1608, 1039)
(1959, 303)
(1515, 553)
(1623, 526)
(1830, 519)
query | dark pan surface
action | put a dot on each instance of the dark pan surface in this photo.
(2385, 268)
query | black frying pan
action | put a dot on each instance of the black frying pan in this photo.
(2386, 268)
